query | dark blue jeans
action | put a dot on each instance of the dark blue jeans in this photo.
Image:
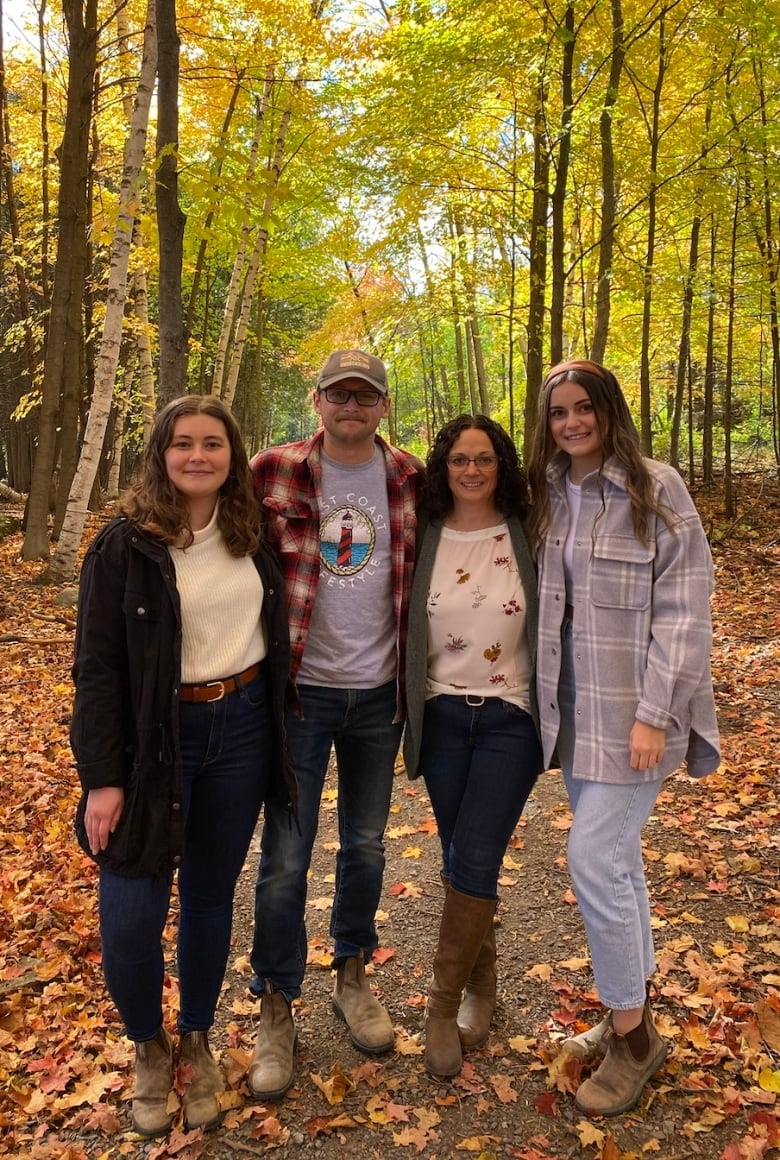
(358, 723)
(480, 762)
(226, 749)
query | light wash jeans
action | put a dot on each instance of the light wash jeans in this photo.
(605, 863)
(359, 724)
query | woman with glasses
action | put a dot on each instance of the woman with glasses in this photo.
(471, 729)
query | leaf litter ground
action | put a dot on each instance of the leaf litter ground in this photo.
(712, 853)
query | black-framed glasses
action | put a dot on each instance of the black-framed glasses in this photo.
(339, 395)
(484, 462)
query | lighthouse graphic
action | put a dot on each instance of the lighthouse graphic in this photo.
(347, 539)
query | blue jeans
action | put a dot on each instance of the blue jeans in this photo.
(605, 863)
(480, 763)
(359, 724)
(226, 749)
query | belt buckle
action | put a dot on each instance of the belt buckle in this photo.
(474, 702)
(220, 694)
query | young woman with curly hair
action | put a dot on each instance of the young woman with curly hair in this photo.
(624, 684)
(471, 729)
(181, 668)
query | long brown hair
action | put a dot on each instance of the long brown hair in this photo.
(619, 438)
(159, 508)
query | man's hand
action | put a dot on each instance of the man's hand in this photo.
(104, 809)
(646, 745)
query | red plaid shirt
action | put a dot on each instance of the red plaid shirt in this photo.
(288, 481)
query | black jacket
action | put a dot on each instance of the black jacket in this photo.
(125, 726)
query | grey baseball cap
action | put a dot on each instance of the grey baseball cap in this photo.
(354, 364)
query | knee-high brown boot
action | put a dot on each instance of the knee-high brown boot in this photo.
(465, 922)
(479, 1002)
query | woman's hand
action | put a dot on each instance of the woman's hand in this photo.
(646, 745)
(104, 809)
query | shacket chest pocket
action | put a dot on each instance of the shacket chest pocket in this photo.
(139, 609)
(286, 524)
(622, 572)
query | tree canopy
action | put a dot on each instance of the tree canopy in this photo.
(470, 189)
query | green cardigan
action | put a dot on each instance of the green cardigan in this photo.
(417, 642)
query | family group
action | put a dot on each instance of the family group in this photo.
(238, 620)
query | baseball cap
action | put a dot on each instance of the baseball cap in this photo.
(354, 364)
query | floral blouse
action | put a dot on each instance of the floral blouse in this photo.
(477, 642)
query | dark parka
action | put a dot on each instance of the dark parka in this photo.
(125, 726)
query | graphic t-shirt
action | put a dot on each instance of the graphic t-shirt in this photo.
(477, 641)
(351, 639)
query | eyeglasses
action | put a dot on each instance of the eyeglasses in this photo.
(340, 395)
(483, 462)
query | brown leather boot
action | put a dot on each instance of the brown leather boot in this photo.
(153, 1085)
(369, 1025)
(479, 1002)
(618, 1083)
(272, 1069)
(465, 923)
(202, 1088)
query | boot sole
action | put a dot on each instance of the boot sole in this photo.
(153, 1133)
(380, 1049)
(656, 1066)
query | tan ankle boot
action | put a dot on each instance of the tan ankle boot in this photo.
(201, 1089)
(272, 1069)
(367, 1021)
(618, 1083)
(153, 1085)
(465, 923)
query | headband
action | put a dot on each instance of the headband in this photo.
(576, 364)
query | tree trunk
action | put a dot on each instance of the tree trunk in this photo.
(709, 377)
(209, 219)
(645, 406)
(145, 360)
(537, 268)
(170, 219)
(558, 200)
(63, 561)
(608, 197)
(64, 339)
(240, 260)
(728, 378)
(273, 172)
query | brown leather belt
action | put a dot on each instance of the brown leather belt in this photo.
(216, 690)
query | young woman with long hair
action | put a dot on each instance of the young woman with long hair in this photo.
(624, 684)
(181, 669)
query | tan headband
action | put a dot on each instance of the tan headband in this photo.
(576, 364)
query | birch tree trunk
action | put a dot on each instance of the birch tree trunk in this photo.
(63, 561)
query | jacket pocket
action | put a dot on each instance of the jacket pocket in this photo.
(622, 572)
(139, 607)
